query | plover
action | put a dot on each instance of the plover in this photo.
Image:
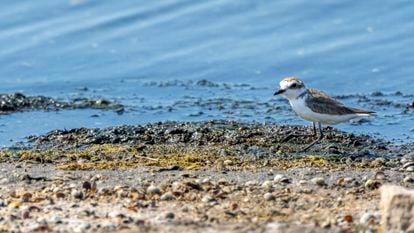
(316, 106)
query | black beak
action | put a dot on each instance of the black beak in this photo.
(280, 91)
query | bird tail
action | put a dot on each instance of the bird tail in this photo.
(363, 112)
(367, 114)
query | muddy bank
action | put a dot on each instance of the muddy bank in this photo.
(205, 145)
(262, 140)
(18, 102)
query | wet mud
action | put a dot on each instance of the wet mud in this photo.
(18, 102)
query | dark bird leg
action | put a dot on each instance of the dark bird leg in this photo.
(317, 140)
(293, 135)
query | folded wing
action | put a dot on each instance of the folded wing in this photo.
(321, 103)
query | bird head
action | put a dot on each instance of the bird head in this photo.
(291, 88)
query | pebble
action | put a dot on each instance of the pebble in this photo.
(269, 196)
(77, 194)
(267, 184)
(302, 182)
(408, 179)
(169, 215)
(372, 184)
(82, 227)
(227, 162)
(14, 204)
(380, 175)
(408, 158)
(250, 183)
(410, 168)
(115, 214)
(26, 197)
(281, 179)
(320, 181)
(378, 162)
(168, 196)
(207, 199)
(60, 195)
(348, 218)
(408, 164)
(26, 214)
(222, 181)
(206, 180)
(55, 219)
(367, 218)
(153, 190)
(87, 185)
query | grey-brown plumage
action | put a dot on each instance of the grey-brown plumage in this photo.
(320, 102)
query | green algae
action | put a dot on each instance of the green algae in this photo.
(113, 156)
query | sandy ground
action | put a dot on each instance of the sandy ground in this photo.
(146, 199)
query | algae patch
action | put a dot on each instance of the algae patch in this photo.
(113, 156)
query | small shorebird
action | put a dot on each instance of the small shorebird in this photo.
(316, 106)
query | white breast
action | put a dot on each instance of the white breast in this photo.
(299, 106)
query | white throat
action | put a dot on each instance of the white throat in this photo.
(293, 94)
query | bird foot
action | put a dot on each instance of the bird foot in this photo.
(291, 136)
(311, 145)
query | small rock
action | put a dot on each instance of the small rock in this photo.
(279, 179)
(348, 218)
(207, 199)
(14, 204)
(409, 161)
(168, 196)
(372, 184)
(302, 182)
(227, 162)
(269, 196)
(26, 214)
(407, 158)
(222, 181)
(267, 184)
(116, 214)
(55, 219)
(26, 197)
(169, 215)
(153, 190)
(380, 175)
(408, 179)
(396, 206)
(367, 218)
(340, 181)
(250, 183)
(77, 194)
(378, 162)
(87, 186)
(82, 227)
(320, 181)
(206, 180)
(410, 168)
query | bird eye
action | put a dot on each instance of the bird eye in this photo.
(294, 85)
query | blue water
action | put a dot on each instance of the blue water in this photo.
(119, 48)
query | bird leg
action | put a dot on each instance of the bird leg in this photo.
(317, 140)
(293, 135)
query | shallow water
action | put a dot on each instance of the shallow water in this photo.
(149, 55)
